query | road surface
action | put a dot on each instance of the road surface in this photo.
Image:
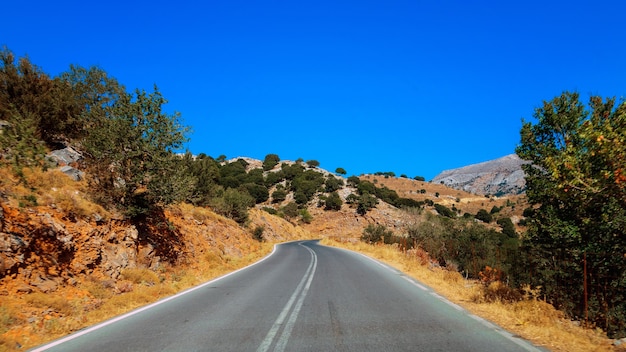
(302, 297)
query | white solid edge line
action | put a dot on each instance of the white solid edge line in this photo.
(521, 342)
(151, 305)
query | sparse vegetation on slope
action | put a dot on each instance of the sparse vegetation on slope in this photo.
(138, 221)
(531, 317)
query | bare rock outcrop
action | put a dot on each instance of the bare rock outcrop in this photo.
(503, 176)
(46, 251)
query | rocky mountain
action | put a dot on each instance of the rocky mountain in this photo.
(503, 176)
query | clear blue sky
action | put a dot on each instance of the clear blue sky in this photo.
(413, 87)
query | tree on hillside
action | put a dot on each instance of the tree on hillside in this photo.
(313, 163)
(576, 183)
(234, 204)
(376, 233)
(131, 157)
(508, 228)
(444, 211)
(32, 110)
(93, 92)
(29, 96)
(353, 181)
(205, 173)
(279, 195)
(333, 202)
(270, 161)
(365, 203)
(340, 171)
(484, 216)
(332, 184)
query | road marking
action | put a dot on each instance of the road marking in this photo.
(299, 294)
(139, 310)
(526, 345)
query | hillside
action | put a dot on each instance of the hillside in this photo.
(99, 214)
(63, 268)
(501, 176)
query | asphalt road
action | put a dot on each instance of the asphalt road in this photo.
(303, 297)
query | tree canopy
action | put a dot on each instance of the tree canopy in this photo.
(576, 241)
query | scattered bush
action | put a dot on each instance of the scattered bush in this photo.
(444, 211)
(483, 216)
(257, 233)
(376, 233)
(333, 202)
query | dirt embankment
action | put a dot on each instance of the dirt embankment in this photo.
(60, 273)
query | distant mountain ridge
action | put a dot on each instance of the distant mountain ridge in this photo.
(503, 176)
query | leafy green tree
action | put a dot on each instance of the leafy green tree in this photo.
(130, 154)
(484, 216)
(408, 203)
(306, 185)
(444, 211)
(352, 199)
(93, 93)
(576, 184)
(495, 209)
(273, 178)
(340, 171)
(234, 204)
(255, 176)
(205, 171)
(19, 144)
(300, 197)
(365, 203)
(366, 187)
(305, 216)
(333, 202)
(332, 184)
(313, 163)
(507, 227)
(279, 195)
(270, 161)
(353, 181)
(387, 195)
(292, 171)
(419, 178)
(233, 174)
(260, 193)
(28, 96)
(290, 210)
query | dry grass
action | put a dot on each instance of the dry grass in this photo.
(50, 188)
(441, 194)
(32, 319)
(140, 276)
(64, 312)
(530, 318)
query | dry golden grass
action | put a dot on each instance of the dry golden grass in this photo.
(464, 201)
(216, 246)
(140, 276)
(49, 188)
(530, 318)
(70, 309)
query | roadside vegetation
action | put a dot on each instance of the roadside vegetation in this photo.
(567, 250)
(528, 315)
